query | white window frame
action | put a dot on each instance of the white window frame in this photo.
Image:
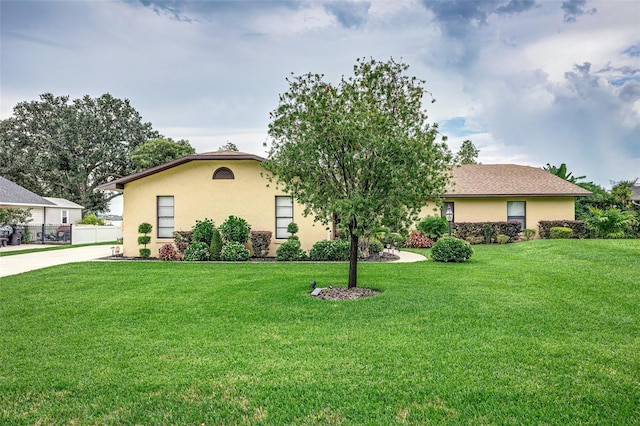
(165, 210)
(514, 210)
(284, 215)
(64, 217)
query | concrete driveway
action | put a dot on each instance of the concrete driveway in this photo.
(19, 263)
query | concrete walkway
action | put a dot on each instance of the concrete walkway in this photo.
(19, 263)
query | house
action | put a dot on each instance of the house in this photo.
(44, 210)
(635, 195)
(509, 192)
(48, 212)
(215, 185)
(212, 185)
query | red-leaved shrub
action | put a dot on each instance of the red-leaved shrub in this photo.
(168, 252)
(418, 239)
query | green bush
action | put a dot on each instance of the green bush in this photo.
(203, 231)
(560, 232)
(487, 230)
(579, 228)
(144, 228)
(182, 240)
(293, 228)
(528, 233)
(334, 250)
(502, 239)
(233, 251)
(610, 223)
(235, 229)
(393, 239)
(196, 252)
(215, 249)
(375, 246)
(290, 251)
(433, 227)
(91, 219)
(449, 249)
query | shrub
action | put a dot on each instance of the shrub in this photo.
(433, 227)
(203, 231)
(560, 232)
(182, 240)
(293, 228)
(393, 239)
(418, 240)
(91, 219)
(502, 239)
(196, 252)
(260, 241)
(528, 233)
(326, 250)
(235, 229)
(233, 251)
(169, 253)
(215, 249)
(577, 226)
(375, 247)
(144, 228)
(475, 240)
(449, 249)
(290, 251)
(610, 223)
(487, 230)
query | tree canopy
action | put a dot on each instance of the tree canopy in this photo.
(159, 151)
(468, 153)
(561, 172)
(61, 148)
(229, 146)
(360, 151)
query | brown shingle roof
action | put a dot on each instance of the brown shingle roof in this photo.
(118, 184)
(495, 180)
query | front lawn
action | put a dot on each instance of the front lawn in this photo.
(542, 332)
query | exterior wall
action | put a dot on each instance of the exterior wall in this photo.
(198, 196)
(54, 215)
(495, 209)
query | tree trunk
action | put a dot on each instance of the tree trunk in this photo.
(353, 262)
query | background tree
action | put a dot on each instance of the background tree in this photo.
(468, 153)
(229, 146)
(159, 151)
(361, 151)
(61, 148)
(561, 172)
(622, 193)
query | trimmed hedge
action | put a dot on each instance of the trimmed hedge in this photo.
(560, 232)
(475, 230)
(330, 250)
(577, 226)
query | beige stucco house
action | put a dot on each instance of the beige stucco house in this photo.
(215, 185)
(509, 192)
(211, 185)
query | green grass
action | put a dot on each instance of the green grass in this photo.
(542, 332)
(46, 247)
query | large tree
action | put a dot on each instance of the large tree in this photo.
(360, 151)
(159, 151)
(61, 148)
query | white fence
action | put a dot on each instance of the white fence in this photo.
(89, 234)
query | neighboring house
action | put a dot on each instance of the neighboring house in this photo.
(635, 195)
(64, 212)
(509, 192)
(215, 185)
(44, 211)
(212, 185)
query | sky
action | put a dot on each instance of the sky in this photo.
(530, 82)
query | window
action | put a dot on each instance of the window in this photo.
(284, 216)
(64, 216)
(516, 212)
(444, 208)
(223, 173)
(165, 216)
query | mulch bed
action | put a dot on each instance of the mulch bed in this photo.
(344, 293)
